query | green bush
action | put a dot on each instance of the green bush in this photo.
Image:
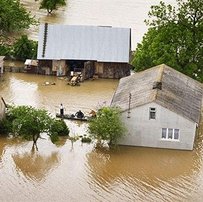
(51, 5)
(4, 50)
(28, 122)
(86, 140)
(5, 126)
(14, 17)
(24, 48)
(107, 126)
(59, 127)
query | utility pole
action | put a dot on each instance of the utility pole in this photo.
(129, 102)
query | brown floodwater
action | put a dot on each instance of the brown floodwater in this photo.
(116, 13)
(82, 173)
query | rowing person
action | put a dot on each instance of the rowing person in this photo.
(79, 114)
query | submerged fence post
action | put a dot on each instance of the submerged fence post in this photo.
(4, 102)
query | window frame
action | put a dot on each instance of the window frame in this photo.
(152, 110)
(166, 134)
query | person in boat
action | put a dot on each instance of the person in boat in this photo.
(79, 114)
(61, 110)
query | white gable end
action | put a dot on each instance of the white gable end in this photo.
(143, 131)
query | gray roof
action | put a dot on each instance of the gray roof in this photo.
(74, 42)
(179, 93)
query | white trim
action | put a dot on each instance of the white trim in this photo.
(173, 134)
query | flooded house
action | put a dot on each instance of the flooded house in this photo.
(161, 108)
(1, 64)
(90, 50)
(2, 108)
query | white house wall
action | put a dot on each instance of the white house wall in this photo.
(142, 131)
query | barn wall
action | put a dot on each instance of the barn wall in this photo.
(59, 67)
(106, 70)
(45, 67)
(112, 70)
(88, 70)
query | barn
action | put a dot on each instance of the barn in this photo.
(161, 108)
(91, 50)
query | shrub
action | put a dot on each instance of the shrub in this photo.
(107, 126)
(86, 140)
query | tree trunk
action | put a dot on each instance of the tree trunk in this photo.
(35, 137)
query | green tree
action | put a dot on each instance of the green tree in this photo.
(107, 126)
(51, 5)
(25, 48)
(28, 122)
(4, 49)
(13, 16)
(175, 37)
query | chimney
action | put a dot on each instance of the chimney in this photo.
(157, 85)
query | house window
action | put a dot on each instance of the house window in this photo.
(164, 130)
(176, 134)
(170, 134)
(152, 113)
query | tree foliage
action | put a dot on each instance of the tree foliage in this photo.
(51, 5)
(4, 50)
(28, 122)
(25, 48)
(13, 16)
(107, 126)
(175, 37)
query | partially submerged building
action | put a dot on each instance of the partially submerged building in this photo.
(31, 66)
(161, 108)
(2, 64)
(90, 50)
(2, 108)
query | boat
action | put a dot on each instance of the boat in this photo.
(73, 117)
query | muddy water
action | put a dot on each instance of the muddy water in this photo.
(117, 13)
(81, 173)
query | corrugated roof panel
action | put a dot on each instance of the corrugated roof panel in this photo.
(104, 44)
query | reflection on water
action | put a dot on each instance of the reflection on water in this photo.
(145, 173)
(60, 173)
(36, 166)
(82, 173)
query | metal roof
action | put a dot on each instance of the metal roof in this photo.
(179, 93)
(79, 42)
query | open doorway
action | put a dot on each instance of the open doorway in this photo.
(80, 67)
(76, 65)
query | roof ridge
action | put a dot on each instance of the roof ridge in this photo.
(159, 79)
(190, 79)
(160, 74)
